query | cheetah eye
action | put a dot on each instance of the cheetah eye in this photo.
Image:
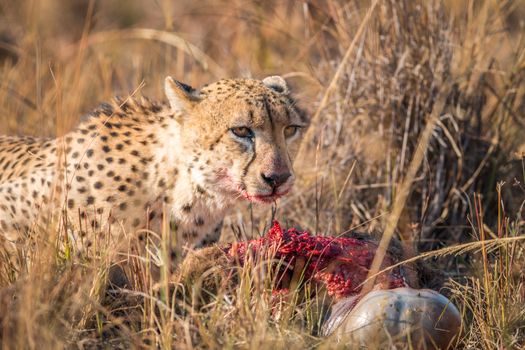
(242, 132)
(291, 130)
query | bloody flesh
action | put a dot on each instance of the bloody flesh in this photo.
(341, 264)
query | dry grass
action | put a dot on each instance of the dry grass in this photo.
(371, 83)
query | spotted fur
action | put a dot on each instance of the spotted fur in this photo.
(131, 160)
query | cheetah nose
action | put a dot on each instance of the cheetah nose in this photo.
(276, 179)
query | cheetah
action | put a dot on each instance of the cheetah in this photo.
(131, 161)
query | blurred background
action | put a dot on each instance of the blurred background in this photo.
(466, 59)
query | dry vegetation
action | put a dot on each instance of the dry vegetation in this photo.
(373, 86)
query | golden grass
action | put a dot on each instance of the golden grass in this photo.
(371, 73)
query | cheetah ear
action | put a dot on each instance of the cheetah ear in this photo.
(182, 97)
(276, 83)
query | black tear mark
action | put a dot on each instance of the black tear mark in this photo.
(268, 112)
(245, 169)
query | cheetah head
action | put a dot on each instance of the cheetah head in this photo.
(239, 136)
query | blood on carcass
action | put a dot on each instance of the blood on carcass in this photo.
(340, 264)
